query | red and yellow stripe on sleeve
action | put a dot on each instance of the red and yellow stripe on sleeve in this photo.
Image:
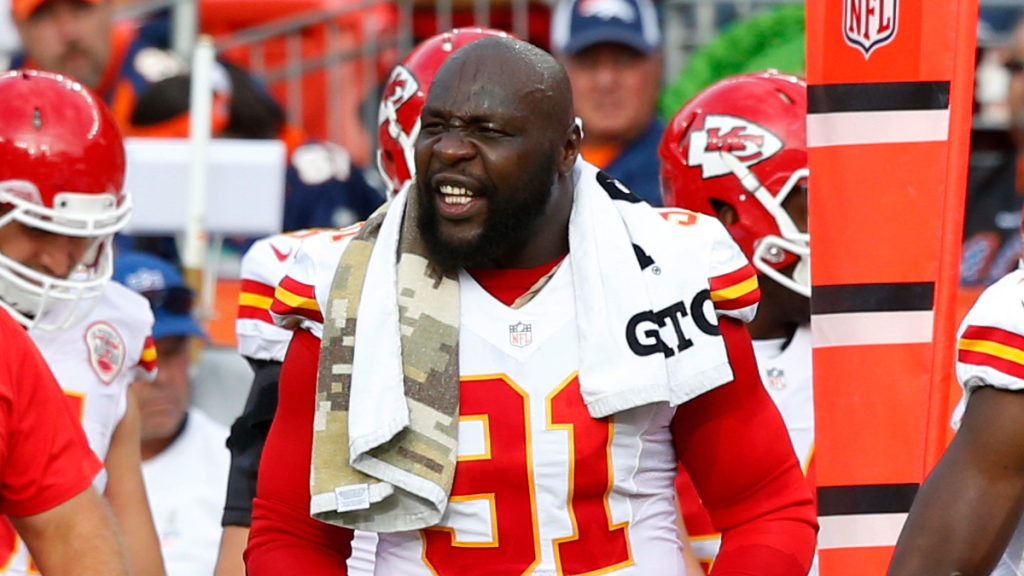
(995, 348)
(735, 290)
(293, 298)
(254, 301)
(148, 359)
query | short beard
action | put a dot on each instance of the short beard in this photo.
(507, 228)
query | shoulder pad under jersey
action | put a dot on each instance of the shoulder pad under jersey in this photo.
(301, 295)
(263, 266)
(990, 342)
(733, 280)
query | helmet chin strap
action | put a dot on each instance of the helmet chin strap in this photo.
(792, 239)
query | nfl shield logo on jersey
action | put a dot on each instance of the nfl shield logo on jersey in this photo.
(520, 335)
(870, 24)
(776, 378)
(106, 350)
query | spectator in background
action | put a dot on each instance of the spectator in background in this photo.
(185, 461)
(611, 50)
(323, 187)
(79, 38)
(992, 240)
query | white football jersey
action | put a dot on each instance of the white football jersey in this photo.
(520, 498)
(94, 361)
(990, 344)
(541, 486)
(786, 375)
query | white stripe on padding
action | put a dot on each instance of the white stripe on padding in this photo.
(867, 328)
(859, 530)
(850, 128)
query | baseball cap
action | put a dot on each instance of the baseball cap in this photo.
(579, 24)
(22, 9)
(163, 285)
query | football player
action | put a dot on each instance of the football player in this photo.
(500, 111)
(61, 201)
(47, 468)
(738, 151)
(263, 343)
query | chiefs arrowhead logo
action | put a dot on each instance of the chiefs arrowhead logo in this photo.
(401, 86)
(747, 142)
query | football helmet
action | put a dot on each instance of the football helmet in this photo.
(62, 168)
(398, 117)
(742, 142)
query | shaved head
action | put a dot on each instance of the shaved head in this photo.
(494, 157)
(524, 70)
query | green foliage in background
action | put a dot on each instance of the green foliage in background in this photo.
(772, 38)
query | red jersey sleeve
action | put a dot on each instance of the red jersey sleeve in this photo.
(734, 445)
(45, 458)
(284, 539)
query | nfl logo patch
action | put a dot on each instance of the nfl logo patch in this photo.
(870, 24)
(106, 350)
(520, 335)
(776, 378)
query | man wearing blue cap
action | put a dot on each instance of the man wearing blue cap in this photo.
(612, 52)
(185, 461)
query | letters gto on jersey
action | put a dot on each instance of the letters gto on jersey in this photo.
(94, 362)
(541, 487)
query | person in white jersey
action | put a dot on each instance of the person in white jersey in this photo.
(738, 151)
(61, 201)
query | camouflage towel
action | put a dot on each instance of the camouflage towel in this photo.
(394, 475)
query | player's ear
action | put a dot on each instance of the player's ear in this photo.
(725, 211)
(571, 147)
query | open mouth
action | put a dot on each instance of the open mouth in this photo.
(457, 200)
(456, 194)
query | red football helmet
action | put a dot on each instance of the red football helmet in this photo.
(62, 166)
(398, 118)
(743, 142)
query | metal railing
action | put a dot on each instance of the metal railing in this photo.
(330, 58)
(687, 24)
